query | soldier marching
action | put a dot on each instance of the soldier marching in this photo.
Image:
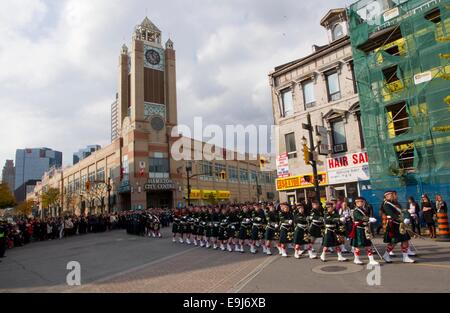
(262, 226)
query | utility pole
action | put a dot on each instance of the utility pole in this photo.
(311, 160)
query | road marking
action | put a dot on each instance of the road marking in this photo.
(250, 276)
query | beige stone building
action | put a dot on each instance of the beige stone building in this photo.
(323, 85)
(137, 170)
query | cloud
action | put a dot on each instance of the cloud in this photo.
(59, 62)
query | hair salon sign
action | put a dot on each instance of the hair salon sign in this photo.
(348, 168)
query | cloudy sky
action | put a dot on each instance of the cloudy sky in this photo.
(58, 62)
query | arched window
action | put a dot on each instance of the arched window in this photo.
(338, 31)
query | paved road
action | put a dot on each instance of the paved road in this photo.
(117, 262)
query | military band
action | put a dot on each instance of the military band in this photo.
(261, 227)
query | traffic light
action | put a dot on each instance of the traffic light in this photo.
(307, 178)
(306, 154)
(262, 163)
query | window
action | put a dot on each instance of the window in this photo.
(308, 94)
(339, 139)
(253, 177)
(291, 147)
(334, 92)
(91, 176)
(232, 174)
(83, 182)
(288, 106)
(397, 119)
(206, 170)
(405, 155)
(101, 174)
(338, 32)
(243, 175)
(159, 167)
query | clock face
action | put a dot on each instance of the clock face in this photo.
(152, 57)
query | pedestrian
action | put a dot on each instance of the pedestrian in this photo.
(441, 206)
(429, 215)
(414, 210)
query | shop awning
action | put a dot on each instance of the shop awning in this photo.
(209, 194)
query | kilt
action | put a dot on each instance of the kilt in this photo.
(392, 234)
(232, 231)
(315, 231)
(215, 230)
(201, 230)
(195, 228)
(286, 234)
(360, 240)
(244, 232)
(257, 232)
(186, 228)
(208, 230)
(330, 238)
(299, 235)
(223, 232)
(176, 227)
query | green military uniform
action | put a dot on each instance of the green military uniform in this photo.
(359, 235)
(272, 219)
(301, 228)
(258, 220)
(286, 227)
(394, 233)
(331, 228)
(245, 227)
(316, 223)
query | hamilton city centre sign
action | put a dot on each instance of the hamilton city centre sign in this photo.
(155, 184)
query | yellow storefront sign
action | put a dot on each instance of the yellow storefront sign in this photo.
(301, 181)
(222, 194)
(209, 194)
(196, 194)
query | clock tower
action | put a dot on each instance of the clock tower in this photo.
(147, 112)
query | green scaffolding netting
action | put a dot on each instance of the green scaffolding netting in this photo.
(401, 52)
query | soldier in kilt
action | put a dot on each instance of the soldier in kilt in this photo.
(360, 234)
(208, 228)
(215, 220)
(286, 229)
(272, 225)
(233, 230)
(176, 227)
(332, 222)
(203, 214)
(301, 236)
(315, 220)
(396, 231)
(245, 227)
(257, 233)
(155, 225)
(187, 223)
(195, 225)
(223, 228)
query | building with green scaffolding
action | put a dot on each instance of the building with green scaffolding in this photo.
(401, 51)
